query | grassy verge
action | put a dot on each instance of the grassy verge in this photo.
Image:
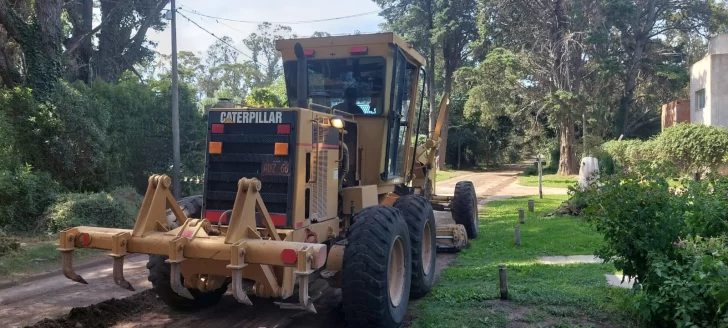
(37, 255)
(444, 175)
(549, 180)
(540, 295)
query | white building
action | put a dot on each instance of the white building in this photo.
(709, 85)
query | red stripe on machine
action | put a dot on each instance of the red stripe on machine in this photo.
(213, 216)
(278, 219)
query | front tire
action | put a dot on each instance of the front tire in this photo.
(377, 269)
(159, 271)
(465, 208)
(420, 218)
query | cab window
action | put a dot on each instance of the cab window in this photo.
(354, 85)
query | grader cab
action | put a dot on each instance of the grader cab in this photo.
(334, 186)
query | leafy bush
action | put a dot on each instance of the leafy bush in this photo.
(24, 196)
(117, 209)
(693, 148)
(637, 214)
(643, 219)
(691, 290)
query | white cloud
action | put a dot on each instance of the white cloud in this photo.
(192, 38)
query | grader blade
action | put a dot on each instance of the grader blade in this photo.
(451, 237)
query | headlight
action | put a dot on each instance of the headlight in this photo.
(337, 122)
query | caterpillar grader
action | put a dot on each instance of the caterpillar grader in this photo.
(335, 186)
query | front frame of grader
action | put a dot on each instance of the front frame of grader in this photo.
(206, 257)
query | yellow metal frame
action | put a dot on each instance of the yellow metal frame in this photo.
(240, 250)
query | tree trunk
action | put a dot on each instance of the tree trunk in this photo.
(641, 36)
(567, 159)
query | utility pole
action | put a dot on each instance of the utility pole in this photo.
(175, 108)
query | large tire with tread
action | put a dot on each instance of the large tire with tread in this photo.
(191, 206)
(465, 208)
(420, 219)
(377, 269)
(159, 271)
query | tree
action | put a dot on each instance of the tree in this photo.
(37, 29)
(554, 36)
(265, 55)
(640, 23)
(454, 29)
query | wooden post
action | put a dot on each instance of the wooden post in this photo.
(503, 281)
(521, 216)
(531, 204)
(517, 235)
(540, 174)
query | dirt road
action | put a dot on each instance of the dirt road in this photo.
(68, 304)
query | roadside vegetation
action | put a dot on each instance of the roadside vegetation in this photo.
(24, 256)
(549, 180)
(570, 295)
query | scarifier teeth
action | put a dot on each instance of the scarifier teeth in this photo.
(67, 259)
(238, 291)
(118, 273)
(176, 282)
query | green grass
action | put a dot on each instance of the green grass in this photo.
(443, 175)
(549, 180)
(38, 256)
(549, 295)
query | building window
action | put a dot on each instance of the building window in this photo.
(700, 98)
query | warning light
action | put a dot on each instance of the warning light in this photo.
(281, 149)
(284, 129)
(218, 128)
(309, 52)
(359, 50)
(215, 147)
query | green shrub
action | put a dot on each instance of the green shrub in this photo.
(637, 214)
(117, 209)
(693, 148)
(606, 163)
(691, 290)
(24, 196)
(642, 220)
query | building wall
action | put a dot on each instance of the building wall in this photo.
(675, 112)
(717, 97)
(699, 76)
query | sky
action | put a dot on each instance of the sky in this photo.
(192, 38)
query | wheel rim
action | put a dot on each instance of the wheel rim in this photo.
(396, 272)
(427, 247)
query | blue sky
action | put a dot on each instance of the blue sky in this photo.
(191, 38)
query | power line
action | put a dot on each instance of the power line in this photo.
(221, 40)
(195, 12)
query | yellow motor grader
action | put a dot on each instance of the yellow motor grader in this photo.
(335, 186)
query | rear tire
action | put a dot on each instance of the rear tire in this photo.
(191, 206)
(465, 208)
(420, 218)
(377, 269)
(159, 271)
